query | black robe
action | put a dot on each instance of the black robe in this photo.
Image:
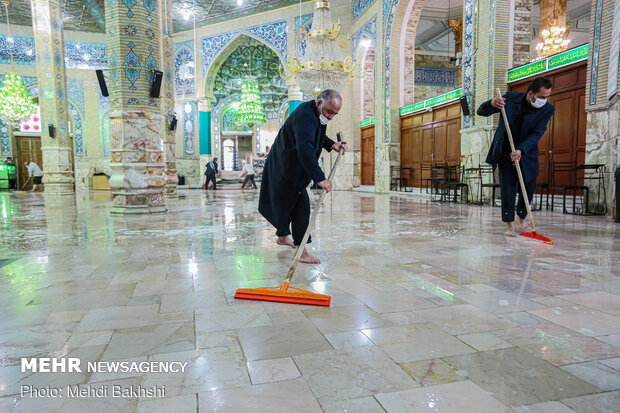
(291, 163)
(533, 128)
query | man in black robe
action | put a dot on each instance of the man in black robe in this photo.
(528, 115)
(211, 174)
(292, 162)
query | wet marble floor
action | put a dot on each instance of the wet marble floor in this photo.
(432, 308)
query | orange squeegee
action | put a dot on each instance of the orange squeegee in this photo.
(285, 293)
(533, 234)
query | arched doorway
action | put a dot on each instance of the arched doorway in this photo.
(242, 58)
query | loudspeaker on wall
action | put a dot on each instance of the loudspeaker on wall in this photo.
(102, 85)
(173, 123)
(156, 85)
(464, 106)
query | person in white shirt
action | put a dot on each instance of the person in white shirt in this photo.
(248, 170)
(37, 175)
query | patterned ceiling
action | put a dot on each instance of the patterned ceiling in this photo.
(89, 15)
(84, 15)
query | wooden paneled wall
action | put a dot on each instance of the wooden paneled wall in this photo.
(430, 138)
(368, 156)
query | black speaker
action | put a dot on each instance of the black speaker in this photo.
(173, 123)
(102, 86)
(156, 85)
(464, 106)
(51, 130)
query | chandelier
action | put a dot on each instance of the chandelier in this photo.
(16, 105)
(321, 66)
(553, 39)
(250, 110)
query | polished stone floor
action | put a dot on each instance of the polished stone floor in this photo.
(432, 308)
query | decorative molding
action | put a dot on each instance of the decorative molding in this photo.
(369, 29)
(595, 51)
(184, 70)
(78, 55)
(272, 34)
(359, 7)
(190, 111)
(434, 76)
(468, 47)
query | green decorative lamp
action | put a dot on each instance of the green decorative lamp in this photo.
(16, 105)
(250, 110)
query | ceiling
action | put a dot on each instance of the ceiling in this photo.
(434, 36)
(89, 15)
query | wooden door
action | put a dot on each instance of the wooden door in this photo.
(28, 149)
(565, 138)
(368, 156)
(430, 138)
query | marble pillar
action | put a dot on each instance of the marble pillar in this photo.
(134, 53)
(522, 32)
(167, 102)
(457, 29)
(484, 72)
(295, 98)
(49, 44)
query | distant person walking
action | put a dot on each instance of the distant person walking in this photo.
(36, 174)
(211, 173)
(248, 170)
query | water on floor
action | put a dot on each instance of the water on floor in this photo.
(433, 309)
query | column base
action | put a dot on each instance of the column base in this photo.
(138, 209)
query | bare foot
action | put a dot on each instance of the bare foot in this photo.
(510, 229)
(523, 224)
(285, 240)
(309, 259)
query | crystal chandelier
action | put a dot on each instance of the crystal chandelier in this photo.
(321, 67)
(16, 105)
(555, 41)
(250, 110)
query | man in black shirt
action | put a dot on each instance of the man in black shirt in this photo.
(528, 115)
(211, 174)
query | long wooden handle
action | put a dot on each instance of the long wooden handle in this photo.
(315, 212)
(512, 147)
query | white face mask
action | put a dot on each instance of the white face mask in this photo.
(538, 103)
(323, 119)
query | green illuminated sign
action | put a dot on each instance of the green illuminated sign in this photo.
(437, 100)
(527, 70)
(411, 108)
(455, 94)
(571, 56)
(367, 122)
(553, 62)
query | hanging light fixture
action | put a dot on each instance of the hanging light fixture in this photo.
(250, 110)
(16, 105)
(554, 39)
(321, 66)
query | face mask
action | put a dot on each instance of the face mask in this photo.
(538, 103)
(324, 121)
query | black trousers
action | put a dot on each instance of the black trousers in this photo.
(509, 185)
(210, 178)
(298, 220)
(248, 178)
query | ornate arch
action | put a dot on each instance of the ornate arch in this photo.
(217, 111)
